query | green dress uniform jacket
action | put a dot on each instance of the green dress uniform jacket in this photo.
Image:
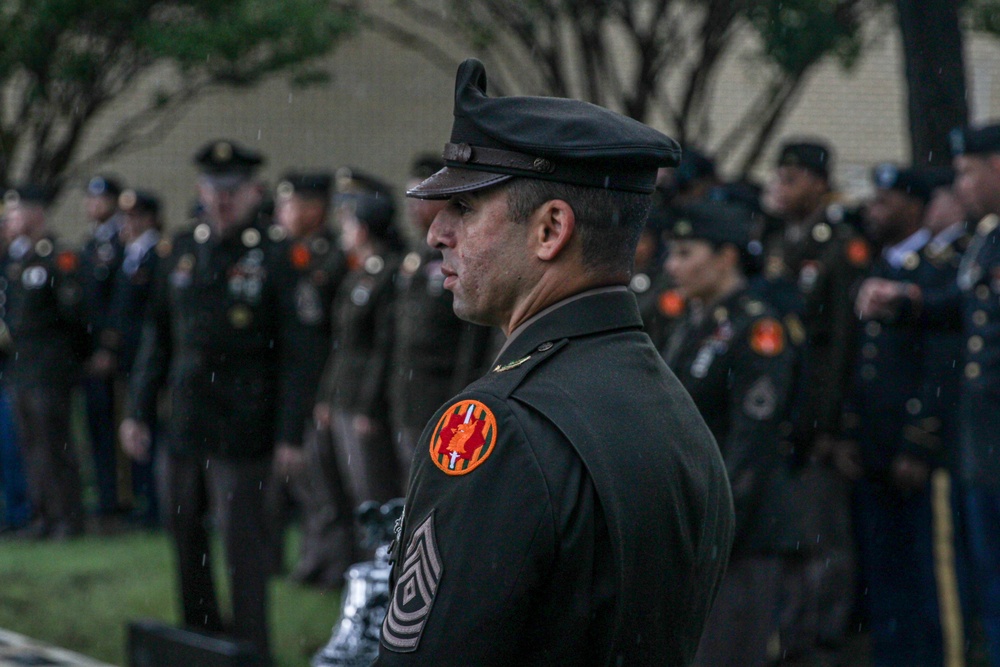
(225, 330)
(568, 508)
(738, 365)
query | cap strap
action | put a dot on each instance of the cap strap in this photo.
(494, 157)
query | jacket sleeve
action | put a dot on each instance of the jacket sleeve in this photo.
(371, 389)
(152, 362)
(473, 547)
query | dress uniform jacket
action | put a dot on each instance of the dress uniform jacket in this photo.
(356, 381)
(888, 385)
(434, 354)
(225, 327)
(824, 258)
(133, 289)
(100, 260)
(738, 366)
(568, 508)
(44, 311)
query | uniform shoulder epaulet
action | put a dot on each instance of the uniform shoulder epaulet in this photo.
(503, 378)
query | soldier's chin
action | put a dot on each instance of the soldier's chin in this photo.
(465, 312)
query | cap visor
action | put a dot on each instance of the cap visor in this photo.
(453, 180)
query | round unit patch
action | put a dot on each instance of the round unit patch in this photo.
(464, 437)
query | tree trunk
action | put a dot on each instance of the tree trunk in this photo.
(935, 75)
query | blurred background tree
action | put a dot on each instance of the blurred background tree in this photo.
(650, 59)
(63, 62)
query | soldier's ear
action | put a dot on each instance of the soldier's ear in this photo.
(552, 224)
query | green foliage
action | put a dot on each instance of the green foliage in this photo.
(797, 34)
(62, 61)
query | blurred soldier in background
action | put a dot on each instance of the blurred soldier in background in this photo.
(326, 547)
(100, 261)
(731, 353)
(434, 354)
(354, 391)
(889, 456)
(16, 505)
(225, 328)
(44, 310)
(812, 263)
(141, 236)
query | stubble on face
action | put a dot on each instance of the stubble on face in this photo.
(486, 256)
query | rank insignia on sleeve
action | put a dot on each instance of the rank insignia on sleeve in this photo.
(464, 437)
(767, 337)
(413, 596)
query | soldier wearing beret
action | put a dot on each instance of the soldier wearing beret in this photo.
(731, 352)
(225, 330)
(570, 507)
(434, 353)
(43, 315)
(812, 262)
(100, 260)
(302, 210)
(894, 459)
(354, 393)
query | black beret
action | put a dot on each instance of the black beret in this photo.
(693, 165)
(29, 193)
(312, 185)
(716, 222)
(810, 155)
(139, 201)
(888, 176)
(425, 166)
(100, 186)
(975, 140)
(227, 157)
(494, 139)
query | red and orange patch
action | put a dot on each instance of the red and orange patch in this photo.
(463, 438)
(301, 257)
(671, 303)
(767, 337)
(858, 252)
(67, 261)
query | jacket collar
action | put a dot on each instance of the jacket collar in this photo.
(594, 311)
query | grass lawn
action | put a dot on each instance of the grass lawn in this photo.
(79, 595)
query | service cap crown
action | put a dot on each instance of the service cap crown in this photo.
(975, 140)
(101, 185)
(494, 139)
(223, 156)
(888, 176)
(139, 201)
(813, 156)
(716, 222)
(314, 185)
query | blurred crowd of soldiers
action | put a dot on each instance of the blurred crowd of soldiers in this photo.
(283, 354)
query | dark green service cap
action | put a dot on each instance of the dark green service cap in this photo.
(975, 140)
(139, 202)
(494, 139)
(910, 182)
(316, 185)
(716, 222)
(28, 194)
(809, 155)
(224, 157)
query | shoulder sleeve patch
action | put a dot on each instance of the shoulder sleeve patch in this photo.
(767, 337)
(67, 261)
(413, 596)
(463, 438)
(300, 255)
(858, 252)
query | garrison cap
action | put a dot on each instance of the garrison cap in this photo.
(810, 155)
(316, 185)
(910, 182)
(139, 201)
(975, 140)
(104, 186)
(28, 194)
(494, 139)
(222, 157)
(716, 222)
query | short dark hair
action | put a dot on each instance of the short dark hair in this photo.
(609, 221)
